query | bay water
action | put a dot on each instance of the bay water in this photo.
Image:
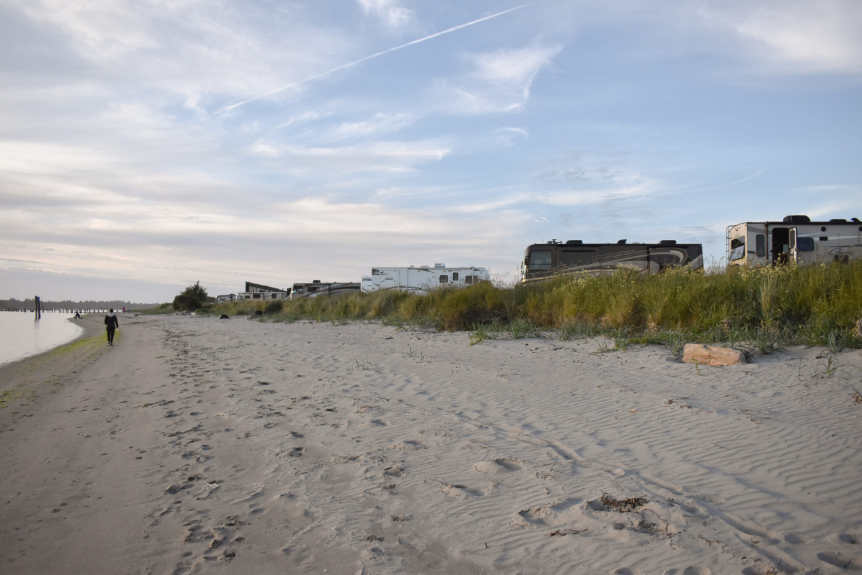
(22, 336)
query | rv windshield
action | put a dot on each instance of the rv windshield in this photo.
(540, 261)
(737, 248)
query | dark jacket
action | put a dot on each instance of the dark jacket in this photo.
(111, 321)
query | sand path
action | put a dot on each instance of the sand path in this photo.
(199, 445)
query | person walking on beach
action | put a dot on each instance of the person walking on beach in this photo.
(111, 323)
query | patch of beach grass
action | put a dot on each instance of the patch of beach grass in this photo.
(164, 308)
(761, 309)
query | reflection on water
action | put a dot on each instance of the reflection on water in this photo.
(22, 336)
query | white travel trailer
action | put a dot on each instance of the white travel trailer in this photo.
(423, 278)
(795, 239)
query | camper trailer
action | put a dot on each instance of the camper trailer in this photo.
(317, 288)
(543, 261)
(794, 239)
(423, 278)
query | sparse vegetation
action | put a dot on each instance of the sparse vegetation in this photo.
(761, 309)
(161, 309)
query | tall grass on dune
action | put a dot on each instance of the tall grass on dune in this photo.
(805, 304)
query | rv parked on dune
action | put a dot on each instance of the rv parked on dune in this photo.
(794, 239)
(543, 261)
(317, 288)
(423, 278)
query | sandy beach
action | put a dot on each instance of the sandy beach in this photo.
(198, 445)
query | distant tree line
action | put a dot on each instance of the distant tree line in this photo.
(68, 304)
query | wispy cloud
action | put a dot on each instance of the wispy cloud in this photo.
(370, 57)
(499, 81)
(799, 36)
(380, 123)
(390, 13)
(378, 156)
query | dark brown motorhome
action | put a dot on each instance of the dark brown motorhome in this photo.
(542, 261)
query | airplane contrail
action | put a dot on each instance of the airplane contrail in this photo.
(355, 62)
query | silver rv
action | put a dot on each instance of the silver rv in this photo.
(794, 239)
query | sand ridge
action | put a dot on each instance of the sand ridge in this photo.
(236, 445)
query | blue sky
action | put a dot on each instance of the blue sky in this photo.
(127, 169)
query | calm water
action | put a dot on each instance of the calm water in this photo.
(22, 336)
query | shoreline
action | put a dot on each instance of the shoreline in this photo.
(88, 329)
(303, 447)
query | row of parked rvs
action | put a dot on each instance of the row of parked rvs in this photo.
(794, 239)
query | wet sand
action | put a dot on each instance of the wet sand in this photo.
(200, 445)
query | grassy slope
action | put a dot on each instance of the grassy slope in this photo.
(811, 304)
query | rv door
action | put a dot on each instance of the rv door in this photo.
(792, 242)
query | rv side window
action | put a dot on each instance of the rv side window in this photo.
(540, 261)
(469, 279)
(454, 276)
(805, 244)
(737, 248)
(569, 258)
(760, 245)
(444, 279)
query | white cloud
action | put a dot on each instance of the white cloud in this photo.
(193, 48)
(389, 12)
(499, 82)
(795, 36)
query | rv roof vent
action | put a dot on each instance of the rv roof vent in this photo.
(856, 220)
(838, 221)
(315, 281)
(426, 266)
(439, 265)
(668, 242)
(574, 242)
(621, 242)
(797, 220)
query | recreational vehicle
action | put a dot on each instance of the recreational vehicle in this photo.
(317, 288)
(255, 291)
(794, 239)
(423, 278)
(542, 261)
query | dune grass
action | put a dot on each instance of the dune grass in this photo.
(158, 310)
(762, 308)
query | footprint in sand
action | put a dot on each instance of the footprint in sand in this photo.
(464, 491)
(393, 471)
(847, 561)
(562, 513)
(497, 466)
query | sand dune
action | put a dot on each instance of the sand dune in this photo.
(200, 445)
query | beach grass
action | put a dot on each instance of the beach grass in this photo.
(159, 309)
(763, 308)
